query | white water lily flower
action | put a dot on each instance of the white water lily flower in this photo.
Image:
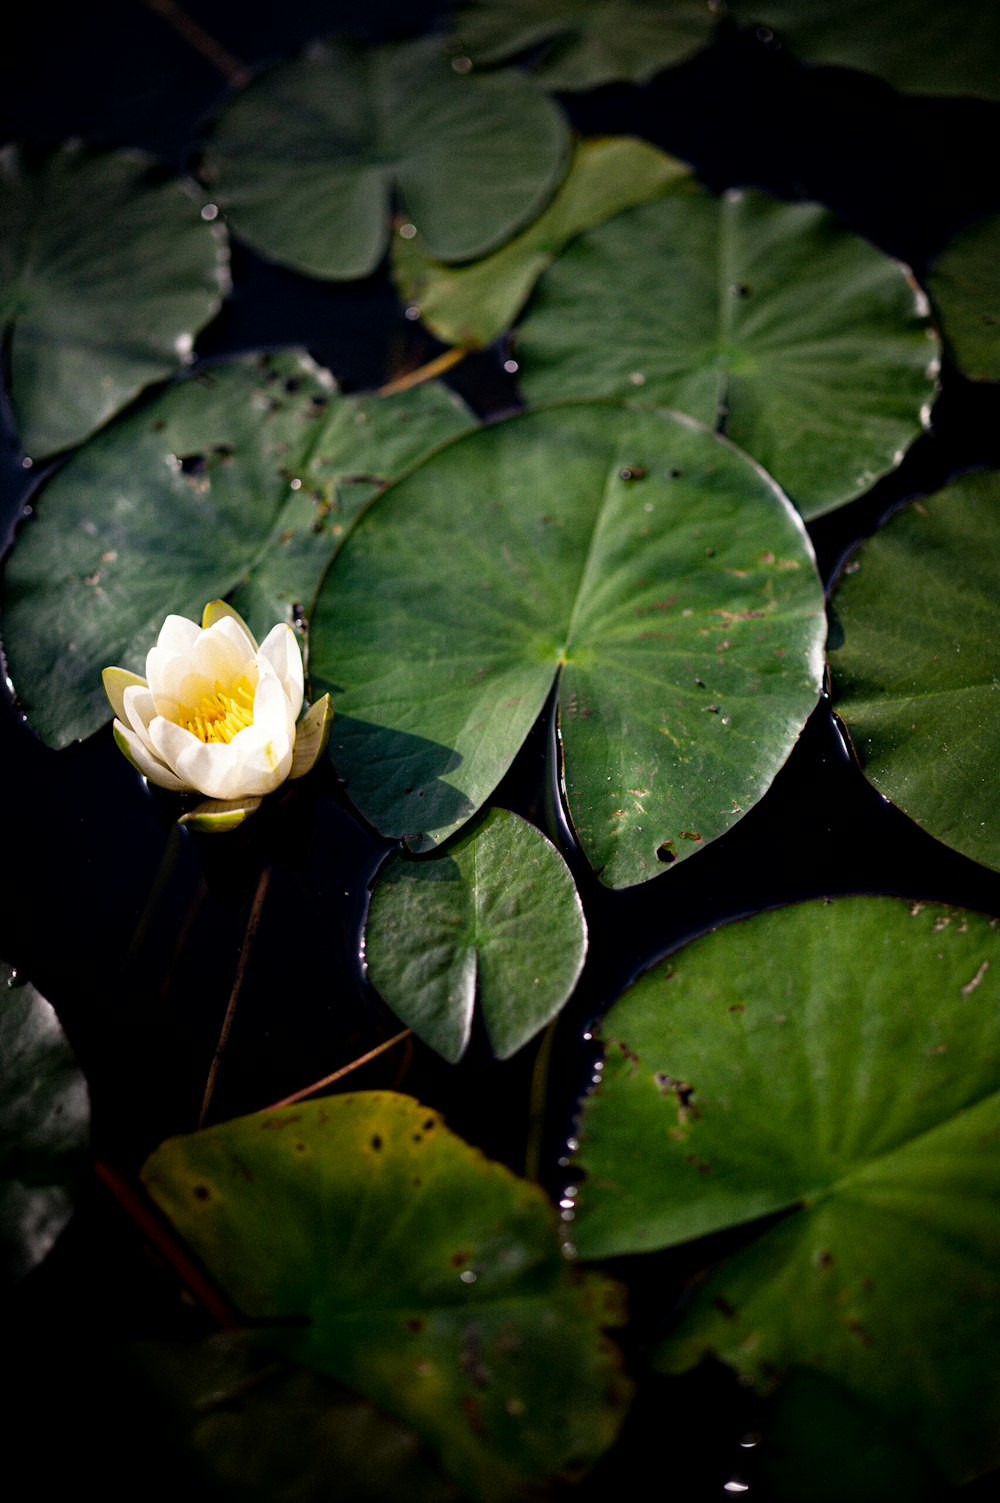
(216, 714)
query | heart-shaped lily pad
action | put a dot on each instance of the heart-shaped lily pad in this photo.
(625, 554)
(917, 45)
(368, 1241)
(915, 663)
(44, 1127)
(308, 158)
(964, 286)
(581, 44)
(497, 917)
(471, 305)
(839, 1062)
(107, 272)
(767, 320)
(239, 482)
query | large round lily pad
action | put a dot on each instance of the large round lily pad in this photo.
(918, 45)
(107, 272)
(839, 1062)
(307, 159)
(767, 320)
(497, 917)
(915, 663)
(368, 1241)
(626, 555)
(581, 44)
(240, 482)
(44, 1127)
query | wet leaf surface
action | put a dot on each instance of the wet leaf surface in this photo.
(915, 663)
(624, 553)
(964, 286)
(239, 482)
(44, 1127)
(581, 44)
(367, 1241)
(107, 273)
(308, 157)
(746, 1076)
(495, 918)
(767, 320)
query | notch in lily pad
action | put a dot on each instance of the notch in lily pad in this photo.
(495, 917)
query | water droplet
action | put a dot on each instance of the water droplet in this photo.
(27, 462)
(462, 64)
(407, 231)
(467, 1276)
(210, 212)
(637, 378)
(295, 485)
(511, 367)
(412, 313)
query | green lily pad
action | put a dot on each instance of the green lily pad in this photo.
(268, 1429)
(625, 554)
(44, 1127)
(964, 287)
(371, 1243)
(240, 482)
(585, 43)
(915, 663)
(920, 46)
(107, 273)
(497, 917)
(839, 1062)
(767, 320)
(308, 157)
(471, 305)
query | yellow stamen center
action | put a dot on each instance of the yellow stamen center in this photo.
(222, 713)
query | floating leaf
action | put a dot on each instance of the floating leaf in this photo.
(839, 1062)
(964, 285)
(309, 157)
(584, 43)
(767, 320)
(107, 273)
(497, 917)
(918, 45)
(44, 1127)
(626, 554)
(239, 482)
(267, 1429)
(371, 1243)
(916, 663)
(471, 305)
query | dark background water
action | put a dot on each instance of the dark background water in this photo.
(133, 932)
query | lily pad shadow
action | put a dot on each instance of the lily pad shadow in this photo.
(403, 777)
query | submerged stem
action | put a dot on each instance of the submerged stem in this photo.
(355, 1064)
(227, 1023)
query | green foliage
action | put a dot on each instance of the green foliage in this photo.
(915, 663)
(748, 1076)
(106, 275)
(769, 321)
(621, 553)
(964, 285)
(470, 305)
(584, 43)
(366, 1240)
(497, 917)
(272, 1432)
(918, 45)
(240, 482)
(44, 1127)
(308, 157)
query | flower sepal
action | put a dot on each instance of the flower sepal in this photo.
(312, 735)
(214, 816)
